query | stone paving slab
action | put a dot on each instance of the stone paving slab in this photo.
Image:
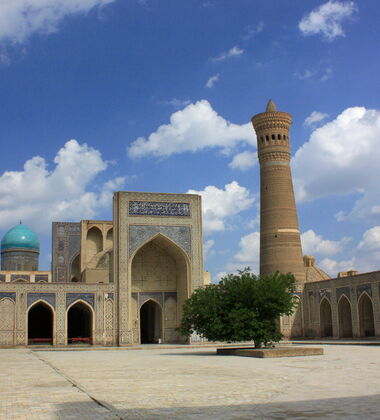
(190, 383)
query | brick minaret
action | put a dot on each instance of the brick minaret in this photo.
(280, 243)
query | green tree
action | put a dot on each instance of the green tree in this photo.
(242, 307)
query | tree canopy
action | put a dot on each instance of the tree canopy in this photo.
(242, 307)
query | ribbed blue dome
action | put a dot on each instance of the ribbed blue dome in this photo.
(20, 237)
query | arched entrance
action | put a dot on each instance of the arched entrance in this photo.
(345, 319)
(326, 318)
(160, 273)
(367, 328)
(150, 322)
(40, 324)
(79, 324)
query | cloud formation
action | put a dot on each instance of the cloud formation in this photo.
(316, 245)
(39, 196)
(233, 52)
(219, 204)
(327, 19)
(314, 118)
(248, 254)
(19, 19)
(251, 30)
(191, 129)
(243, 160)
(342, 157)
(212, 80)
(364, 257)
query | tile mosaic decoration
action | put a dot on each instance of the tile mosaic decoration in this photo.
(343, 291)
(139, 234)
(155, 208)
(144, 296)
(363, 288)
(87, 297)
(41, 277)
(9, 295)
(324, 293)
(48, 297)
(25, 277)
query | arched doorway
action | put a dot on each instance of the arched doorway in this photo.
(40, 324)
(345, 319)
(150, 322)
(79, 324)
(326, 318)
(160, 272)
(367, 328)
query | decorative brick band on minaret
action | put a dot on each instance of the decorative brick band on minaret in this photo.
(280, 242)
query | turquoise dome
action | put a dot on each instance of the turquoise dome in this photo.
(20, 237)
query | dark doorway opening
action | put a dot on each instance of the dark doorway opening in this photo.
(367, 326)
(40, 324)
(150, 322)
(326, 319)
(79, 324)
(345, 322)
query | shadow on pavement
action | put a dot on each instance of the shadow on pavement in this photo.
(366, 407)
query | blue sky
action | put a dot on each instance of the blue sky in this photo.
(105, 95)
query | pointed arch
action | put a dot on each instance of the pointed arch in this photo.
(75, 268)
(7, 322)
(325, 318)
(94, 242)
(109, 238)
(151, 320)
(161, 266)
(80, 320)
(344, 317)
(40, 322)
(366, 319)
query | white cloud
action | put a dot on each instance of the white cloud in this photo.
(212, 80)
(308, 74)
(175, 103)
(248, 254)
(364, 257)
(304, 75)
(233, 52)
(342, 157)
(208, 248)
(243, 160)
(251, 30)
(219, 204)
(327, 19)
(39, 196)
(327, 74)
(371, 239)
(191, 129)
(19, 19)
(333, 267)
(315, 244)
(314, 118)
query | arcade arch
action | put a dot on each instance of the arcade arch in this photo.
(79, 323)
(366, 322)
(345, 317)
(40, 323)
(94, 243)
(326, 318)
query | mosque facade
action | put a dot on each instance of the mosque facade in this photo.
(123, 282)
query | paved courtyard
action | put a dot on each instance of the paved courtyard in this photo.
(188, 383)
